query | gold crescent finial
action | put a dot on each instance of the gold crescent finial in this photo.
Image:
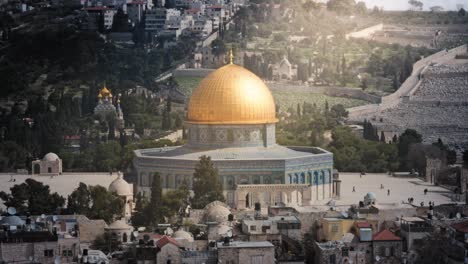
(231, 57)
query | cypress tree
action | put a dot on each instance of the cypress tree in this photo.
(206, 185)
(154, 212)
(382, 137)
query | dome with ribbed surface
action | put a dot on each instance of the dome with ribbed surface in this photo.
(231, 95)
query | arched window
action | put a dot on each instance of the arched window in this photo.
(302, 178)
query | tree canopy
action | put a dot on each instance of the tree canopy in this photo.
(95, 202)
(33, 197)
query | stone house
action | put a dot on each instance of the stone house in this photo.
(272, 228)
(387, 247)
(168, 251)
(243, 252)
(50, 164)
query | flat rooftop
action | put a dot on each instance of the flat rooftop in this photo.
(275, 152)
(246, 244)
(400, 190)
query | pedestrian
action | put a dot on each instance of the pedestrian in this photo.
(381, 186)
(425, 191)
(388, 192)
(354, 189)
(422, 204)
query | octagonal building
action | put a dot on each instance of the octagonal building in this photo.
(231, 118)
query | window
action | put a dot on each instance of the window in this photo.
(48, 253)
(67, 253)
(345, 252)
(334, 228)
(332, 259)
(253, 228)
(265, 228)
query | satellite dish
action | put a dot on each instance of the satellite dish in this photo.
(377, 258)
(43, 216)
(11, 210)
(458, 215)
(54, 218)
(141, 228)
(229, 233)
(135, 233)
(57, 260)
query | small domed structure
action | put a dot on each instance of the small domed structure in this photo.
(50, 157)
(125, 190)
(182, 234)
(370, 198)
(216, 212)
(50, 164)
(120, 187)
(11, 220)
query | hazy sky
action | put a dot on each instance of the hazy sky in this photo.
(403, 4)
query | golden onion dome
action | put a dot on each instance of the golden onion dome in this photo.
(231, 95)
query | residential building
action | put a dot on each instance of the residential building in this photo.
(169, 251)
(387, 247)
(215, 11)
(413, 230)
(202, 28)
(135, 11)
(243, 252)
(155, 20)
(333, 228)
(272, 228)
(106, 13)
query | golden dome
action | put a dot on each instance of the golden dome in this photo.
(231, 95)
(104, 92)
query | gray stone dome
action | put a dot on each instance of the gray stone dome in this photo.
(182, 234)
(12, 220)
(216, 212)
(119, 225)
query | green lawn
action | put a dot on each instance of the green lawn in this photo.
(285, 99)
